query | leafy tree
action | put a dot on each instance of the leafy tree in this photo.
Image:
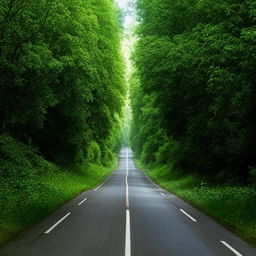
(61, 74)
(196, 58)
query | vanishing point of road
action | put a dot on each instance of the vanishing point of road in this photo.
(127, 215)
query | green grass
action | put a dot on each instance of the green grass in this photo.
(34, 199)
(232, 206)
(32, 188)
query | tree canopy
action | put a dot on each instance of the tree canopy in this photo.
(194, 87)
(61, 74)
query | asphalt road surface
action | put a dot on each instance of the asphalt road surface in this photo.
(127, 216)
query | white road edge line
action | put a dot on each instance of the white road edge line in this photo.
(160, 189)
(57, 223)
(193, 219)
(82, 201)
(127, 235)
(102, 183)
(162, 194)
(231, 248)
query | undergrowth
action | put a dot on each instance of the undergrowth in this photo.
(31, 187)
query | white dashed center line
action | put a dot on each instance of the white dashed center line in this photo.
(127, 229)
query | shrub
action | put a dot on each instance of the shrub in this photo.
(93, 152)
(168, 152)
(253, 176)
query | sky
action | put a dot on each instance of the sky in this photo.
(130, 16)
(122, 3)
(128, 35)
(127, 47)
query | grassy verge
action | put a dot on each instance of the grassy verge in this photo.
(32, 188)
(232, 206)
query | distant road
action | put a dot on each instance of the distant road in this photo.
(127, 216)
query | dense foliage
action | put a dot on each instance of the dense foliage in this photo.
(61, 75)
(193, 95)
(62, 91)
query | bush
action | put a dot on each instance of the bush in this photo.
(168, 152)
(107, 156)
(93, 152)
(253, 176)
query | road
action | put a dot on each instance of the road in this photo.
(127, 216)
